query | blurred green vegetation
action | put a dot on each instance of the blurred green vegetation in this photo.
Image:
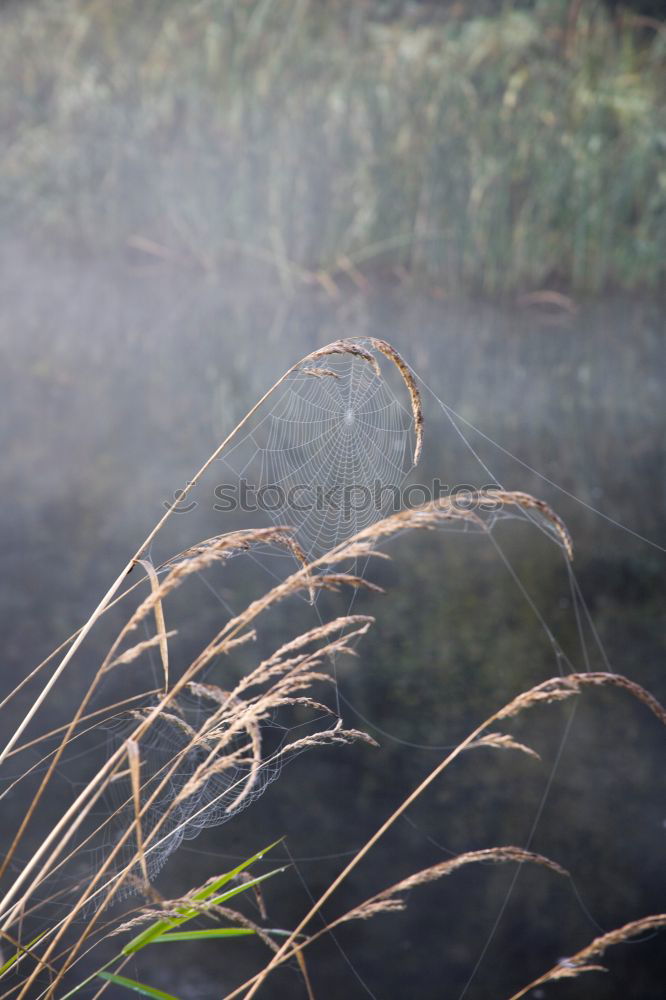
(484, 154)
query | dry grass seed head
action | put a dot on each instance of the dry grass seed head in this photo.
(414, 395)
(321, 373)
(503, 742)
(322, 632)
(527, 502)
(202, 555)
(561, 688)
(344, 347)
(135, 651)
(583, 960)
(276, 665)
(247, 715)
(174, 908)
(329, 737)
(389, 899)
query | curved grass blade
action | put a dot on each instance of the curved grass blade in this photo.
(203, 935)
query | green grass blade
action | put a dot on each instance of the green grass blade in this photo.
(245, 886)
(132, 984)
(150, 933)
(214, 932)
(22, 951)
(217, 884)
(160, 927)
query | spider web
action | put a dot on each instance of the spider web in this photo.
(327, 457)
(330, 455)
(170, 761)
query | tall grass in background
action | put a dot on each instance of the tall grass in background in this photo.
(484, 154)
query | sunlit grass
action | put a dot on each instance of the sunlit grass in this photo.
(215, 760)
(489, 154)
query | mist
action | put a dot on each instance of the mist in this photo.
(192, 200)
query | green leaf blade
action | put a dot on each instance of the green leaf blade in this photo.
(160, 927)
(203, 935)
(23, 951)
(216, 884)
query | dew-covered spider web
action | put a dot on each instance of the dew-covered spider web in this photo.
(196, 772)
(326, 456)
(329, 454)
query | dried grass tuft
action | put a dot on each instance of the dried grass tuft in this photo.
(321, 373)
(583, 960)
(390, 900)
(503, 742)
(173, 909)
(561, 688)
(415, 396)
(343, 347)
(527, 502)
(329, 737)
(230, 733)
(135, 651)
